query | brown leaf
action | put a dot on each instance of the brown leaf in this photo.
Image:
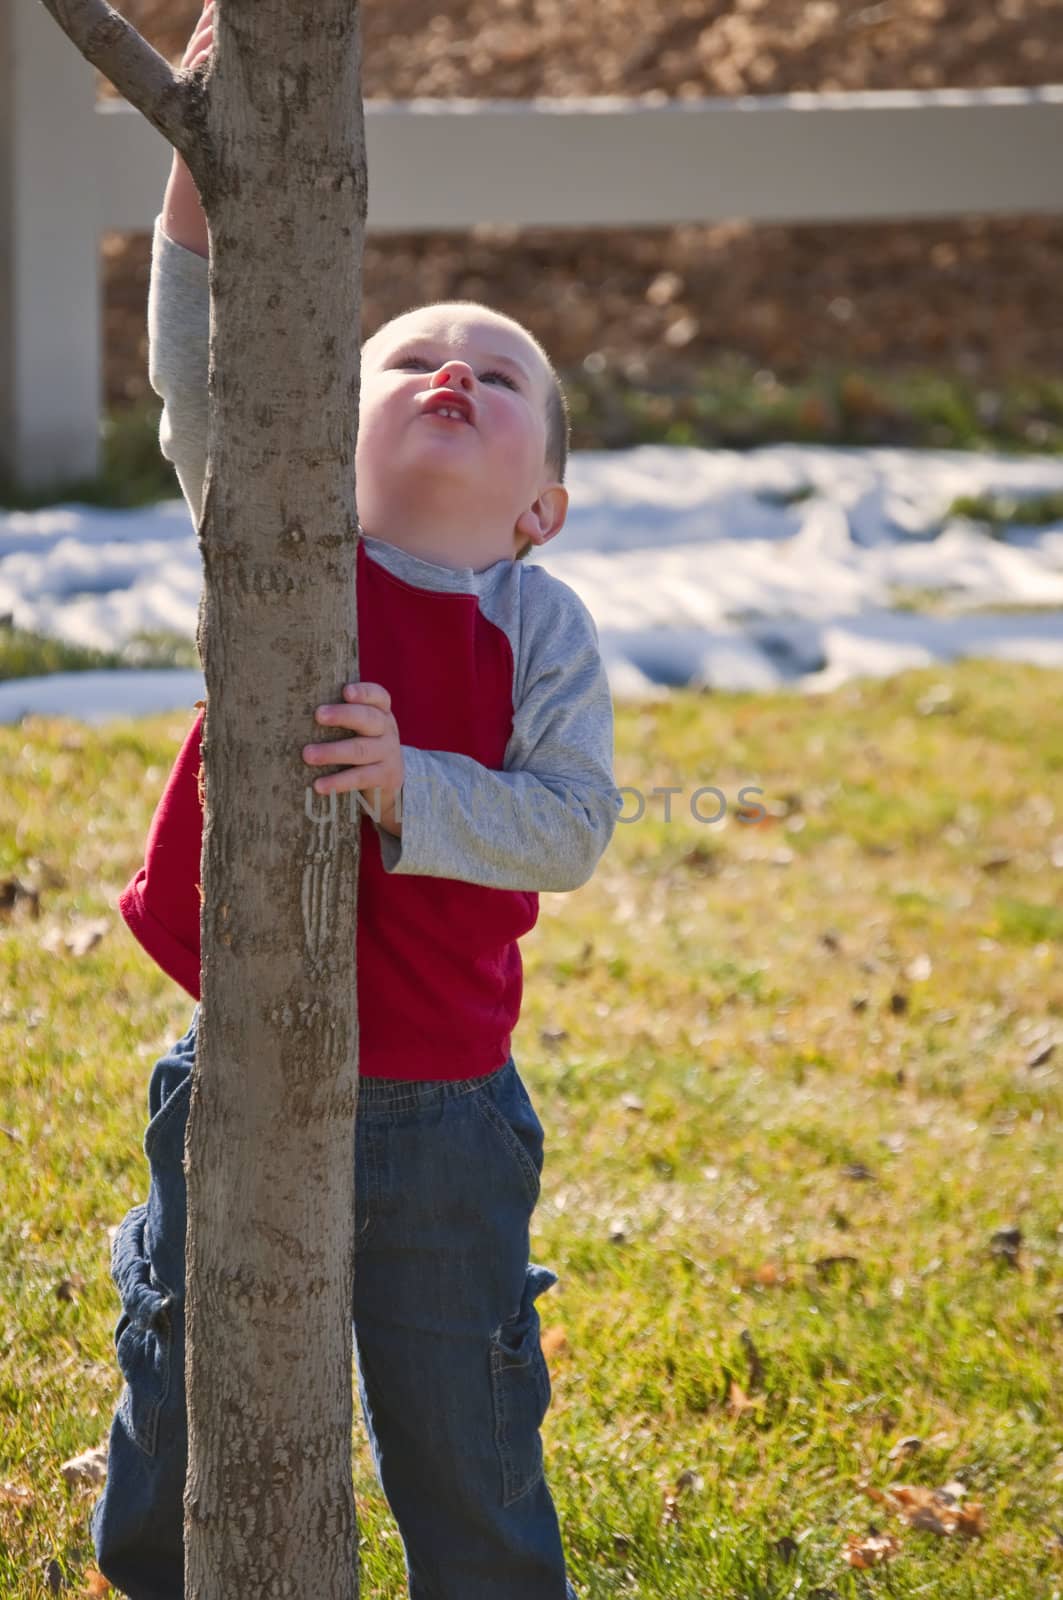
(552, 1036)
(970, 1520)
(738, 1402)
(770, 1275)
(870, 1549)
(756, 1366)
(12, 1494)
(553, 1339)
(1006, 1244)
(824, 1264)
(89, 1468)
(932, 1510)
(687, 1479)
(76, 940)
(95, 1585)
(13, 890)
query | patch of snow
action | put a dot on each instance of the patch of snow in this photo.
(707, 568)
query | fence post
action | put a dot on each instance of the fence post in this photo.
(50, 355)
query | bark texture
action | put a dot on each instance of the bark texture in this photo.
(270, 1145)
(272, 131)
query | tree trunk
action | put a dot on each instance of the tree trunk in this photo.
(272, 131)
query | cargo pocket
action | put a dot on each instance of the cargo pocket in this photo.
(143, 1336)
(520, 1385)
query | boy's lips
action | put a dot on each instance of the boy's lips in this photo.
(449, 399)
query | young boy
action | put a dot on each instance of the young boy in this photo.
(485, 721)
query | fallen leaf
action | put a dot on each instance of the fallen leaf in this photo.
(77, 940)
(687, 1479)
(88, 1468)
(1006, 1243)
(824, 1264)
(553, 1339)
(756, 1366)
(13, 891)
(970, 1520)
(769, 1274)
(931, 1510)
(12, 1494)
(738, 1402)
(552, 1037)
(870, 1549)
(96, 1584)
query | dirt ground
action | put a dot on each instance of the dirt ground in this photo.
(981, 296)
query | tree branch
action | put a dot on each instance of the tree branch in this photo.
(137, 71)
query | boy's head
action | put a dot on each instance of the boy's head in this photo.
(469, 490)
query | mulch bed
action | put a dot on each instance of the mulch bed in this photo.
(979, 296)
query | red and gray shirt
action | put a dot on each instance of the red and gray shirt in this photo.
(506, 722)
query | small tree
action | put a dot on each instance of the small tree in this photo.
(272, 131)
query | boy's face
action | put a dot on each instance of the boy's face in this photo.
(465, 490)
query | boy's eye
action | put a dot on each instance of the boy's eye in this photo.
(419, 361)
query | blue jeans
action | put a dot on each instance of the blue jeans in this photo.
(451, 1374)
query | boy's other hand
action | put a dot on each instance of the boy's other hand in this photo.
(375, 759)
(199, 46)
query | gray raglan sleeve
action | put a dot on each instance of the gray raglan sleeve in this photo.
(178, 344)
(544, 821)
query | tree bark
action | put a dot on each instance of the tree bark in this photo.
(272, 131)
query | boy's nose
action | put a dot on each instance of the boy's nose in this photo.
(455, 375)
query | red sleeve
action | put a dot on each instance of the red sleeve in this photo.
(161, 903)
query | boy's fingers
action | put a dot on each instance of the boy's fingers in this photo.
(368, 694)
(354, 778)
(367, 719)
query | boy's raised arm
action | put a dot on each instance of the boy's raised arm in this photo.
(182, 214)
(178, 348)
(179, 313)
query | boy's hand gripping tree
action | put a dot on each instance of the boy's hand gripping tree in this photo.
(271, 128)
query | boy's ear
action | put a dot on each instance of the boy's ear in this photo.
(545, 517)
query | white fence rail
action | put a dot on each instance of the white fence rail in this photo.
(71, 169)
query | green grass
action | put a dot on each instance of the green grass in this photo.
(133, 472)
(1006, 510)
(722, 1031)
(734, 404)
(729, 403)
(26, 655)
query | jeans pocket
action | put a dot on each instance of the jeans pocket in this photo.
(520, 1388)
(143, 1336)
(506, 1107)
